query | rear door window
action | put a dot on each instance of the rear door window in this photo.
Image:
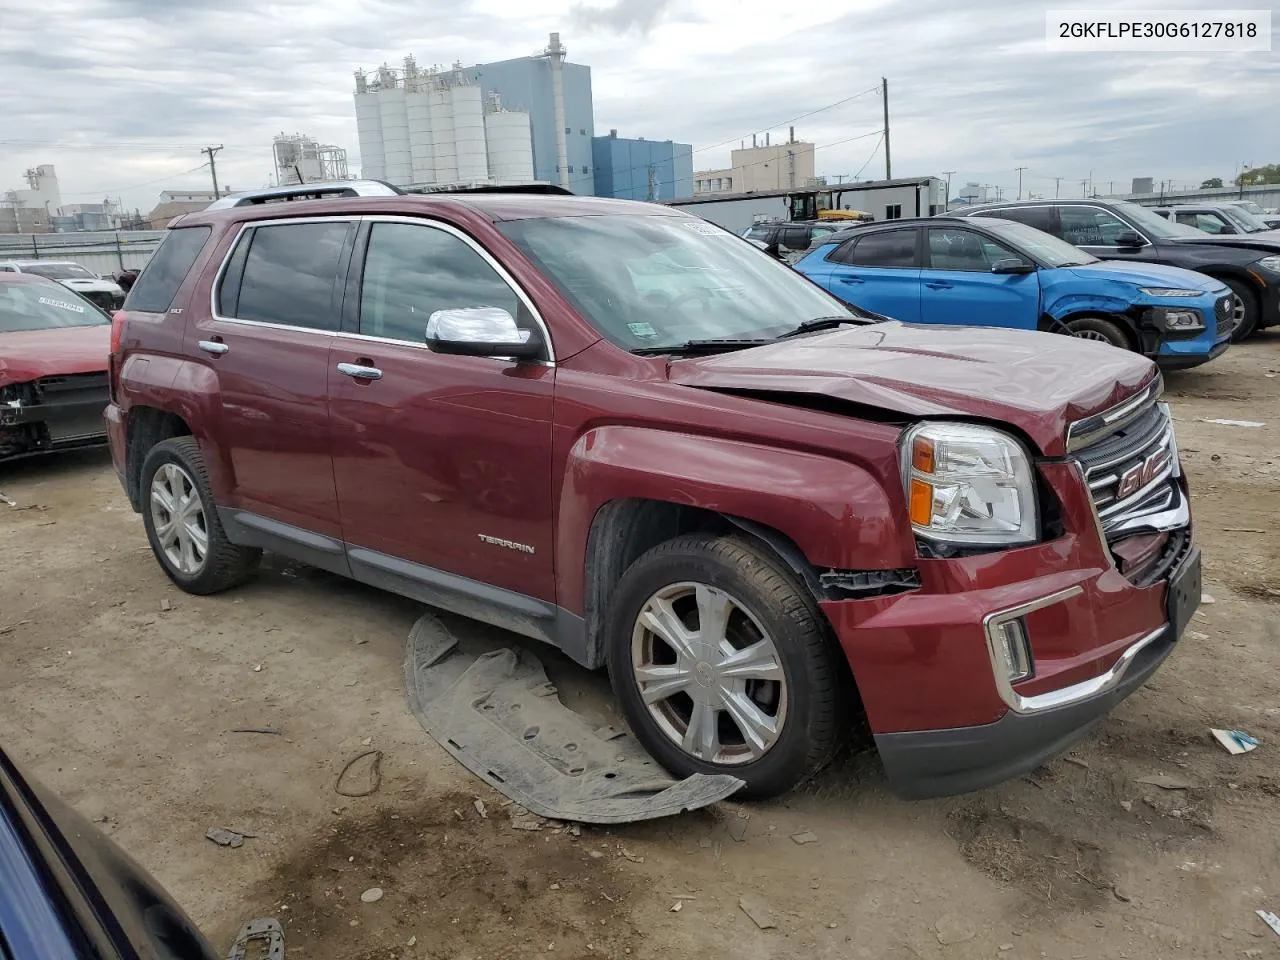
(885, 248)
(160, 279)
(1091, 227)
(291, 274)
(1039, 217)
(964, 250)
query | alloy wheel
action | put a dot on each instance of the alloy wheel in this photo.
(709, 674)
(1238, 309)
(177, 514)
(1093, 335)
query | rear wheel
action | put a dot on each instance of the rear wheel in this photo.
(182, 523)
(1097, 328)
(722, 664)
(1246, 309)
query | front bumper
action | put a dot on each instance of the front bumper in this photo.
(932, 763)
(67, 415)
(1179, 360)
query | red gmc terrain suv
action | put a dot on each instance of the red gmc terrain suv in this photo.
(630, 434)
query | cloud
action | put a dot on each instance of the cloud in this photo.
(121, 93)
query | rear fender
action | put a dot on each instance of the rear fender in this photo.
(187, 390)
(837, 513)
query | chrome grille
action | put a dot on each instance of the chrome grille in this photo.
(1132, 475)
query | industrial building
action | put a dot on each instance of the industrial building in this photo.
(761, 166)
(302, 159)
(641, 169)
(513, 121)
(32, 210)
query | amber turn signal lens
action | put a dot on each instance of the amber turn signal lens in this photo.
(921, 503)
(922, 454)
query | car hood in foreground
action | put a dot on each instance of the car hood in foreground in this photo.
(31, 354)
(1264, 243)
(1038, 382)
(1149, 275)
(85, 285)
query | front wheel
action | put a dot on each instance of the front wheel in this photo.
(1100, 329)
(723, 665)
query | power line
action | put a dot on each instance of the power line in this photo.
(135, 186)
(803, 116)
(874, 150)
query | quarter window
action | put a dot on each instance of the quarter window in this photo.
(159, 281)
(1039, 217)
(412, 271)
(1208, 222)
(1091, 227)
(290, 273)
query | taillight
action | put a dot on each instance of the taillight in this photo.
(117, 331)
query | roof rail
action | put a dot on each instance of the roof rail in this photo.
(472, 187)
(308, 191)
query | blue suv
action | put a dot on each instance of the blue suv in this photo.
(1000, 273)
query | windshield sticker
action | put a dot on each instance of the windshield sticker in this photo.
(73, 307)
(704, 228)
(642, 330)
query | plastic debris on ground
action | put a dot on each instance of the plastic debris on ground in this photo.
(1270, 919)
(1235, 741)
(758, 911)
(499, 716)
(1166, 782)
(1232, 423)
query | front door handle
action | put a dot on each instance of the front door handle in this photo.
(359, 372)
(937, 285)
(215, 347)
(850, 280)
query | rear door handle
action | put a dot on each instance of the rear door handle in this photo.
(358, 372)
(937, 285)
(215, 347)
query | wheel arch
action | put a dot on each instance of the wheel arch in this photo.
(145, 427)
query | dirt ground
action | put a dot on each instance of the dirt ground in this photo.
(120, 693)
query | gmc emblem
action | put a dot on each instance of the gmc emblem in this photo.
(1135, 478)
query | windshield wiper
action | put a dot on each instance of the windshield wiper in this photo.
(703, 346)
(828, 323)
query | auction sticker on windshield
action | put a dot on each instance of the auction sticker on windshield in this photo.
(706, 229)
(73, 307)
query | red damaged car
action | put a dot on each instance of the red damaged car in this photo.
(626, 432)
(53, 367)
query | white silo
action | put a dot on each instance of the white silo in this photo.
(510, 143)
(446, 155)
(395, 135)
(468, 133)
(417, 106)
(369, 130)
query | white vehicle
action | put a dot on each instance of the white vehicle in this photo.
(107, 294)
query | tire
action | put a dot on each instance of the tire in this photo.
(1097, 328)
(1247, 309)
(765, 605)
(175, 468)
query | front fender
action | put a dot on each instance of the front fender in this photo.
(1068, 296)
(837, 513)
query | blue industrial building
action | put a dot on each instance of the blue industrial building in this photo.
(642, 169)
(528, 84)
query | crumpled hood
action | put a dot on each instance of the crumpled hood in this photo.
(31, 354)
(1150, 275)
(1039, 382)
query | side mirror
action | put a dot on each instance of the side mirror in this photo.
(1012, 265)
(1130, 239)
(773, 251)
(481, 332)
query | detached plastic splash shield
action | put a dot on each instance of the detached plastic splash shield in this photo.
(499, 716)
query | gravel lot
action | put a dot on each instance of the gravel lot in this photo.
(120, 693)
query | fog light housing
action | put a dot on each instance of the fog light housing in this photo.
(1012, 651)
(1180, 321)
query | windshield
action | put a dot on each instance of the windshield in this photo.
(1245, 221)
(59, 271)
(1248, 206)
(649, 282)
(1045, 247)
(1152, 224)
(44, 306)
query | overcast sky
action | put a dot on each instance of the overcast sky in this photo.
(121, 94)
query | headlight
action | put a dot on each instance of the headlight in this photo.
(1170, 292)
(969, 485)
(1271, 264)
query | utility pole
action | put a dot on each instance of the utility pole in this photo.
(884, 89)
(1057, 187)
(947, 204)
(999, 193)
(1240, 177)
(212, 168)
(1020, 169)
(1084, 187)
